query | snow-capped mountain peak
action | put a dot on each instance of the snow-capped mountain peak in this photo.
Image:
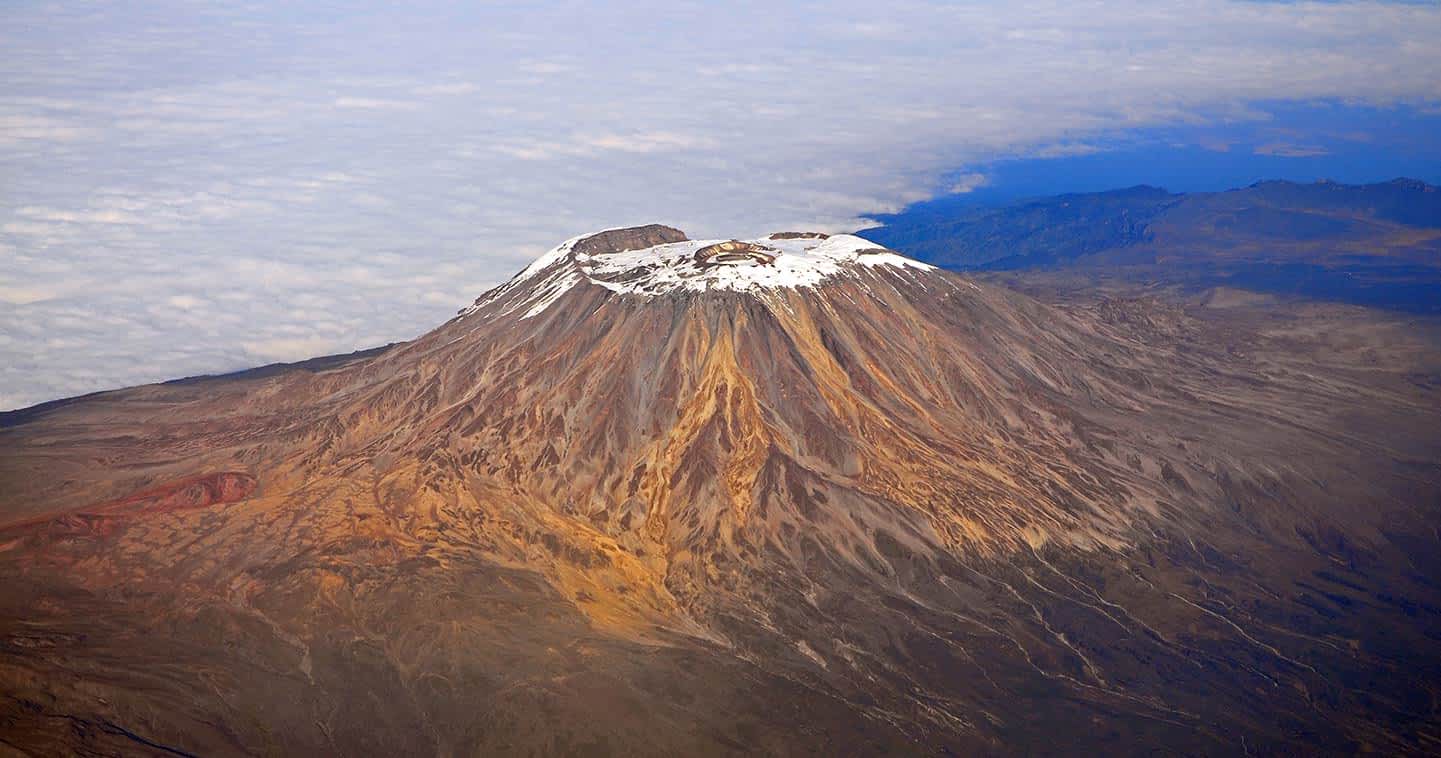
(657, 260)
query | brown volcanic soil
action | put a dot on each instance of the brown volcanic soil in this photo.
(894, 513)
(103, 519)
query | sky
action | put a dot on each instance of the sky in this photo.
(1302, 142)
(196, 188)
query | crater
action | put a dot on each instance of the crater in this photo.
(736, 253)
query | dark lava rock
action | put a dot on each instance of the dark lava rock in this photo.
(632, 238)
(799, 236)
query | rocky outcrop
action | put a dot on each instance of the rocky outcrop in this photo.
(799, 236)
(632, 238)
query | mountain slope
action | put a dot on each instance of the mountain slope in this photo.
(1376, 245)
(1033, 232)
(794, 494)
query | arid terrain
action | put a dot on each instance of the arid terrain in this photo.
(837, 502)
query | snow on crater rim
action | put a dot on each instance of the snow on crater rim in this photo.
(757, 264)
(792, 263)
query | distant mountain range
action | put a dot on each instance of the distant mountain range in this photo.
(1373, 244)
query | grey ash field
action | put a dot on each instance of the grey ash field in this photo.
(641, 502)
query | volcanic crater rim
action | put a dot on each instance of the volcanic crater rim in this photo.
(654, 260)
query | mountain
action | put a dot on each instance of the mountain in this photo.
(1051, 229)
(798, 494)
(1376, 244)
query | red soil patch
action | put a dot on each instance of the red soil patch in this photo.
(102, 519)
(194, 492)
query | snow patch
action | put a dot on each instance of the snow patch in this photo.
(673, 267)
(797, 263)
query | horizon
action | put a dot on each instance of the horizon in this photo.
(976, 200)
(197, 190)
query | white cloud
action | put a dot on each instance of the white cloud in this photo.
(1064, 150)
(646, 142)
(372, 103)
(1287, 150)
(184, 302)
(966, 183)
(24, 296)
(16, 128)
(447, 88)
(545, 67)
(199, 191)
(290, 349)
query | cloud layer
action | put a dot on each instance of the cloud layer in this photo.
(195, 190)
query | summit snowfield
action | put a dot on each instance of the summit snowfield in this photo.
(676, 264)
